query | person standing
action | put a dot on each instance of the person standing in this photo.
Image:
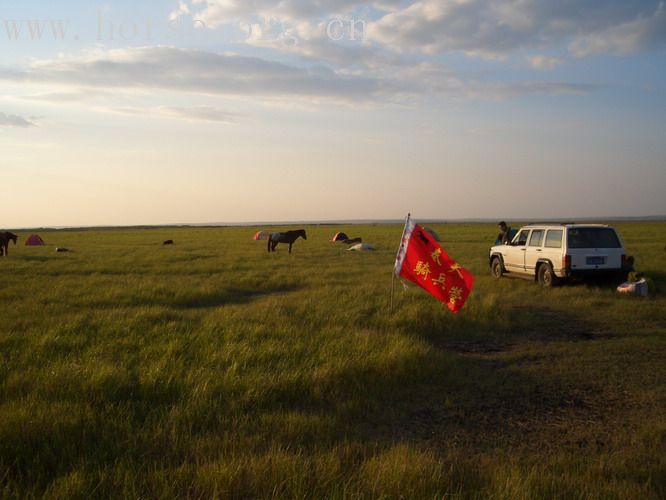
(503, 236)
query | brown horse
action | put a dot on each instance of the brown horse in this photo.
(288, 237)
(4, 242)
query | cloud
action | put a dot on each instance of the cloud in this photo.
(16, 121)
(200, 72)
(195, 113)
(77, 95)
(332, 43)
(545, 62)
(486, 28)
(214, 13)
(201, 113)
(182, 10)
(643, 33)
(169, 70)
(495, 28)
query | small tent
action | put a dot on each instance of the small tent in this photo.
(361, 247)
(340, 237)
(34, 241)
(260, 235)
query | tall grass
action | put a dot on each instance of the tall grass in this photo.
(213, 369)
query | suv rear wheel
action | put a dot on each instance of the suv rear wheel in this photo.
(546, 275)
(496, 268)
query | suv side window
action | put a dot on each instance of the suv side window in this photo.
(554, 238)
(537, 238)
(521, 239)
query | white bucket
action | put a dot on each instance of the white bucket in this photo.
(639, 287)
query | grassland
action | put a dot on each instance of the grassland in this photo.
(212, 369)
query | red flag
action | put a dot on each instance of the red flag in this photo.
(424, 262)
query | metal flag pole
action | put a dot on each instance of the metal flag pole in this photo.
(402, 242)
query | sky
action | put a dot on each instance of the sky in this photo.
(200, 111)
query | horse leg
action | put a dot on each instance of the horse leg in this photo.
(269, 245)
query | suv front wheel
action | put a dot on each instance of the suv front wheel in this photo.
(546, 275)
(496, 268)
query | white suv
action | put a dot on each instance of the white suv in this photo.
(550, 252)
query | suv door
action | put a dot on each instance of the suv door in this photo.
(533, 250)
(552, 250)
(514, 253)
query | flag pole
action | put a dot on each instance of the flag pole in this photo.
(402, 238)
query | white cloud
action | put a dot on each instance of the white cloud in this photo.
(214, 13)
(191, 113)
(493, 28)
(200, 72)
(182, 10)
(68, 95)
(168, 70)
(545, 62)
(486, 28)
(10, 120)
(642, 33)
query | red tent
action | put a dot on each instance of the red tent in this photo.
(34, 240)
(260, 235)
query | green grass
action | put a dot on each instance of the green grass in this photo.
(213, 369)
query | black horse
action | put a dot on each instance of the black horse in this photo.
(288, 237)
(4, 242)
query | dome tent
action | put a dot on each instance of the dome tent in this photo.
(361, 247)
(34, 241)
(260, 235)
(340, 237)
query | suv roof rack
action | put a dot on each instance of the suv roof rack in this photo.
(552, 223)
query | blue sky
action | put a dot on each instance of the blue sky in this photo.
(229, 110)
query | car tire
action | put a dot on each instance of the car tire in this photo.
(546, 276)
(496, 269)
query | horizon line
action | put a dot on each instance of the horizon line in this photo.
(333, 222)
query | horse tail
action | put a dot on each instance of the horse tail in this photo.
(269, 243)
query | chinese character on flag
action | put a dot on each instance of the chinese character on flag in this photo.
(424, 262)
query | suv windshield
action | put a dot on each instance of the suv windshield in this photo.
(592, 237)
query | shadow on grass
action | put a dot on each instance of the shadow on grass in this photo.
(493, 401)
(202, 300)
(440, 402)
(39, 258)
(191, 299)
(488, 332)
(459, 393)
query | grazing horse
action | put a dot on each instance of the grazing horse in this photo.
(4, 242)
(288, 237)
